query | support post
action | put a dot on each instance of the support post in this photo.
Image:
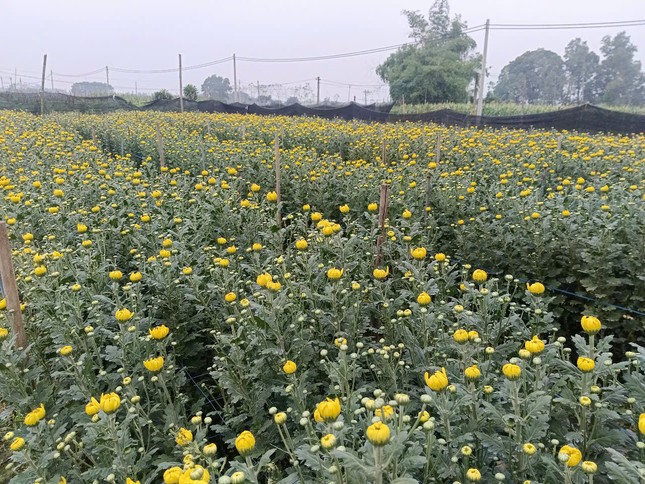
(42, 86)
(10, 288)
(482, 74)
(181, 89)
(384, 199)
(107, 75)
(278, 175)
(162, 155)
(318, 90)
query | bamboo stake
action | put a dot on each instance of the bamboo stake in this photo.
(382, 216)
(162, 155)
(10, 288)
(276, 143)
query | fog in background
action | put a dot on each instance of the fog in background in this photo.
(83, 36)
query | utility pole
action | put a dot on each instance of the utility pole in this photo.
(42, 86)
(181, 89)
(366, 92)
(51, 76)
(107, 75)
(235, 77)
(318, 94)
(482, 74)
(258, 84)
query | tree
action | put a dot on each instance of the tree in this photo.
(162, 95)
(619, 80)
(581, 65)
(190, 92)
(537, 76)
(91, 89)
(216, 87)
(440, 65)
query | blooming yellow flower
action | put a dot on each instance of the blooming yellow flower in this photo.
(93, 407)
(419, 253)
(378, 434)
(329, 409)
(187, 271)
(159, 332)
(460, 336)
(344, 209)
(3, 304)
(66, 350)
(131, 481)
(17, 444)
(480, 276)
(115, 275)
(316, 217)
(154, 364)
(438, 381)
(301, 244)
(195, 475)
(230, 297)
(529, 448)
(172, 475)
(245, 443)
(536, 288)
(40, 271)
(424, 416)
(110, 402)
(589, 467)
(81, 228)
(35, 416)
(472, 373)
(406, 214)
(424, 299)
(328, 441)
(372, 207)
(585, 364)
(4, 332)
(384, 413)
(473, 475)
(289, 367)
(511, 371)
(263, 279)
(272, 197)
(641, 423)
(590, 324)
(535, 346)
(334, 274)
(440, 257)
(183, 437)
(570, 455)
(124, 314)
(381, 274)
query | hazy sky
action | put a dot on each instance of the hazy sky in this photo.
(82, 36)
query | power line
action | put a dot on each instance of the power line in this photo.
(626, 23)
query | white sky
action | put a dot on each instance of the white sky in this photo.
(84, 35)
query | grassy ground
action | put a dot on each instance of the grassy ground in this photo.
(500, 109)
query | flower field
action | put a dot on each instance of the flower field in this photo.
(223, 298)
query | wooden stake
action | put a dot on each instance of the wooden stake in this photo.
(162, 155)
(382, 216)
(10, 288)
(276, 144)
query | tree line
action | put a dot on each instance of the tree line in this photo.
(442, 66)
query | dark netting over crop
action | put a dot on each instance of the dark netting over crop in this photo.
(581, 118)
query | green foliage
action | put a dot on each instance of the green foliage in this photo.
(439, 67)
(190, 92)
(581, 65)
(620, 79)
(534, 77)
(162, 94)
(216, 87)
(192, 228)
